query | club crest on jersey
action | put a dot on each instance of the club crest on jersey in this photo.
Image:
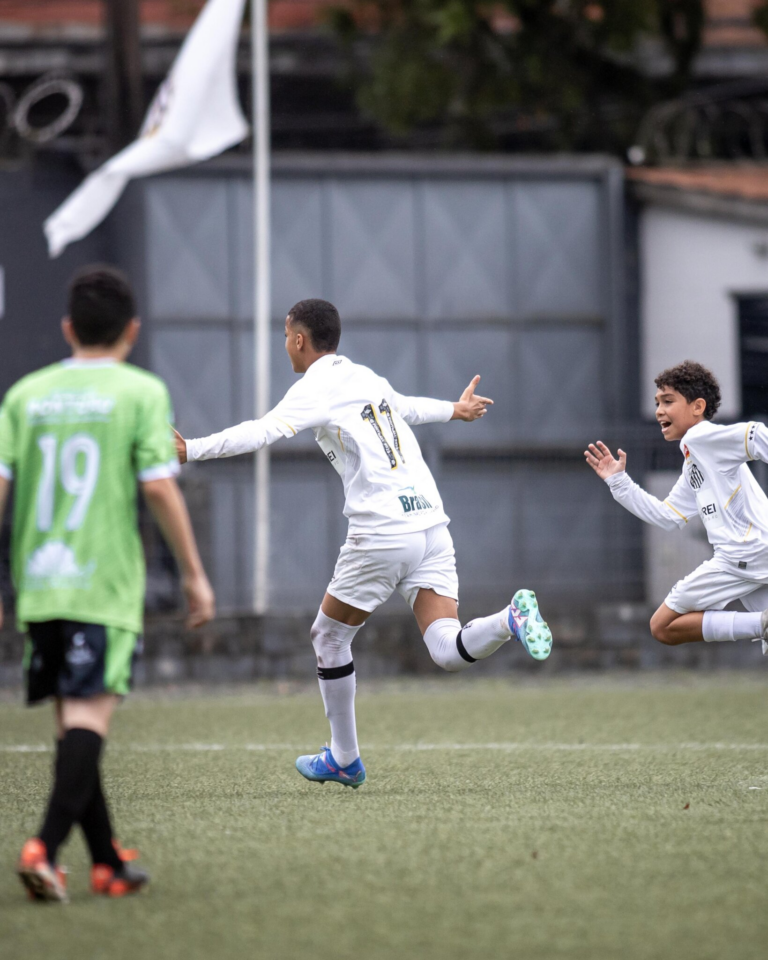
(695, 477)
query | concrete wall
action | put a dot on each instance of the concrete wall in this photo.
(692, 268)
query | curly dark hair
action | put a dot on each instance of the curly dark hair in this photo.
(694, 382)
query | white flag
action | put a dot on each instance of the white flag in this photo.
(194, 116)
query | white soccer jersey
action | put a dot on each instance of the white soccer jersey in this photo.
(716, 484)
(362, 426)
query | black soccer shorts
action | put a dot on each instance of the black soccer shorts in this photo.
(65, 658)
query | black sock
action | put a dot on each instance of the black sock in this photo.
(76, 774)
(98, 829)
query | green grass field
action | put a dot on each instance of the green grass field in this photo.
(606, 818)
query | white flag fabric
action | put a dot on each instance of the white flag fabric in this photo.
(194, 116)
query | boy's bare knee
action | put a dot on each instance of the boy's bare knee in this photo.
(660, 630)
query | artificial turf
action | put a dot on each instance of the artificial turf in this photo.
(607, 818)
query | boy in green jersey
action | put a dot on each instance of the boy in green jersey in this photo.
(75, 439)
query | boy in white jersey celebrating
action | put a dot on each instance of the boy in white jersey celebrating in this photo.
(76, 439)
(398, 532)
(717, 485)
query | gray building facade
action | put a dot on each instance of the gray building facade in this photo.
(441, 268)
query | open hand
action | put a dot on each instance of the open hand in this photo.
(181, 446)
(603, 462)
(471, 407)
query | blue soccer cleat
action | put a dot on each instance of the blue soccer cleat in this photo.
(322, 767)
(527, 626)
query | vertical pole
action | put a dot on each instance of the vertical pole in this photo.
(124, 84)
(262, 296)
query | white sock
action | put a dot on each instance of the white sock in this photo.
(339, 700)
(484, 636)
(336, 674)
(722, 625)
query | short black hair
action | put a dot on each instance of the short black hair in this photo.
(322, 322)
(694, 382)
(101, 304)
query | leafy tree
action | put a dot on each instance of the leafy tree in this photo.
(760, 16)
(565, 69)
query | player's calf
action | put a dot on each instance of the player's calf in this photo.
(455, 648)
(332, 642)
(725, 625)
(712, 626)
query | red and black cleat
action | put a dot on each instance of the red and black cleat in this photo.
(42, 881)
(108, 882)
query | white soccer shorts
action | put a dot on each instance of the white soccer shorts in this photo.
(712, 586)
(372, 566)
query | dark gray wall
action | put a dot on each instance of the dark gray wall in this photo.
(35, 291)
(35, 287)
(441, 268)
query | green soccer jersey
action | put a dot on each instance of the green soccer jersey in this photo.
(75, 437)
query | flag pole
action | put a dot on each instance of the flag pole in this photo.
(261, 296)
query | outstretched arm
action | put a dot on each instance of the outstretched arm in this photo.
(418, 410)
(670, 514)
(246, 437)
(301, 408)
(5, 486)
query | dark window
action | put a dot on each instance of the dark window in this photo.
(753, 341)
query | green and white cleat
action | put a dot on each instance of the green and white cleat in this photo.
(527, 626)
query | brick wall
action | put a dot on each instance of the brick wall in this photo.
(173, 14)
(729, 21)
(729, 24)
